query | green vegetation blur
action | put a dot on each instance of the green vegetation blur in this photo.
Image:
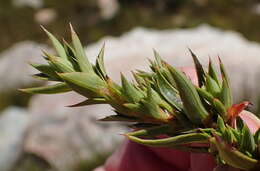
(18, 23)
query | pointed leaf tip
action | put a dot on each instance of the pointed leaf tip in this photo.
(81, 56)
(56, 43)
(193, 106)
(49, 89)
(199, 69)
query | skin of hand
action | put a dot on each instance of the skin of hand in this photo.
(135, 157)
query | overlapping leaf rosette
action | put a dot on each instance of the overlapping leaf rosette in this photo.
(163, 106)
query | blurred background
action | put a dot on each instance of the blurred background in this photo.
(130, 28)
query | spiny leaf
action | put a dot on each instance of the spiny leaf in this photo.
(229, 136)
(50, 89)
(133, 106)
(153, 110)
(218, 106)
(239, 123)
(90, 101)
(68, 48)
(115, 92)
(221, 124)
(153, 96)
(44, 77)
(199, 69)
(57, 45)
(168, 92)
(232, 156)
(172, 141)
(212, 72)
(119, 118)
(223, 71)
(225, 94)
(257, 137)
(61, 65)
(83, 61)
(86, 84)
(46, 69)
(236, 133)
(152, 106)
(193, 106)
(100, 63)
(158, 58)
(212, 86)
(71, 55)
(152, 131)
(139, 80)
(130, 92)
(247, 142)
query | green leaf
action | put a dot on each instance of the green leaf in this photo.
(133, 106)
(218, 106)
(199, 69)
(247, 142)
(158, 58)
(46, 69)
(50, 89)
(223, 71)
(205, 95)
(232, 156)
(168, 92)
(82, 59)
(152, 106)
(119, 118)
(221, 124)
(229, 136)
(91, 101)
(71, 56)
(140, 81)
(153, 110)
(236, 133)
(61, 65)
(172, 141)
(86, 84)
(57, 45)
(68, 48)
(153, 96)
(44, 77)
(240, 123)
(212, 86)
(100, 63)
(153, 131)
(225, 94)
(130, 92)
(193, 106)
(213, 73)
(257, 137)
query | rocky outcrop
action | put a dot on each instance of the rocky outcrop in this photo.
(13, 125)
(15, 71)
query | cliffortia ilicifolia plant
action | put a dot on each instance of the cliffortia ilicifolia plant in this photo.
(163, 101)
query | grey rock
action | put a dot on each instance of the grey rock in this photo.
(15, 71)
(13, 125)
(64, 136)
